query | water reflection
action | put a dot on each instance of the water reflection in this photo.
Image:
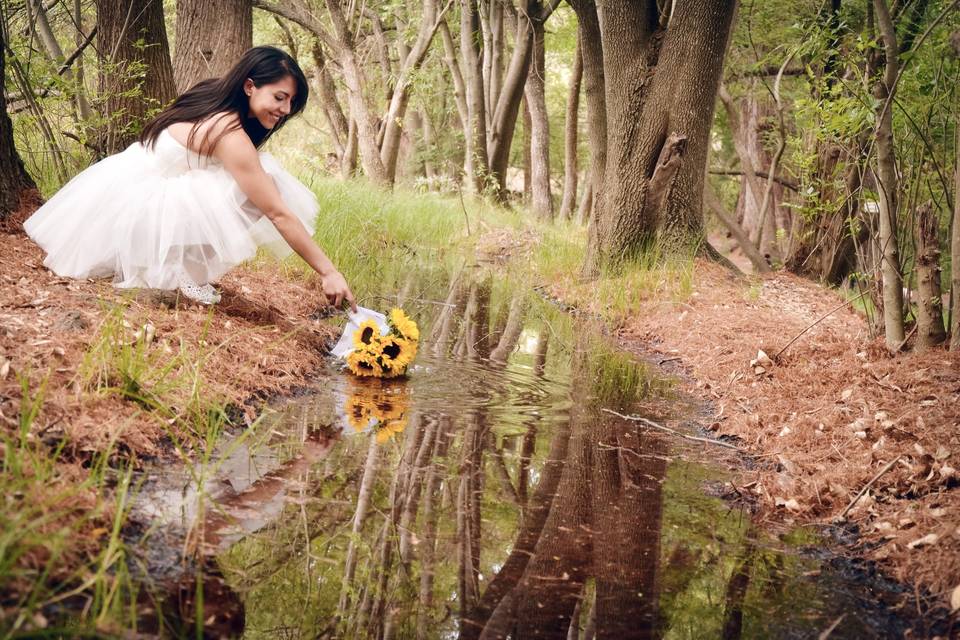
(489, 497)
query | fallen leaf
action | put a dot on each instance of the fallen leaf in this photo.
(846, 394)
(4, 369)
(930, 538)
(790, 505)
(955, 599)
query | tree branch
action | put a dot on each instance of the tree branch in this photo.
(296, 13)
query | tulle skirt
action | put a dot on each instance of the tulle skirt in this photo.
(150, 217)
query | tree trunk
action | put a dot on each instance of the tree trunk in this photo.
(535, 93)
(400, 97)
(570, 137)
(15, 182)
(503, 120)
(472, 67)
(888, 187)
(930, 331)
(955, 254)
(594, 86)
(136, 77)
(50, 43)
(739, 233)
(661, 89)
(211, 37)
(354, 79)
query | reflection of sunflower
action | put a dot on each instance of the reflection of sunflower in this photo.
(404, 325)
(366, 334)
(364, 363)
(388, 429)
(357, 411)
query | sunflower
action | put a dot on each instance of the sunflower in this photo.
(406, 327)
(367, 333)
(386, 430)
(364, 363)
(358, 412)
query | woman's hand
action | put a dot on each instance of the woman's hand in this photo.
(335, 288)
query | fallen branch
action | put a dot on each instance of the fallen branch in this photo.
(818, 321)
(651, 423)
(867, 486)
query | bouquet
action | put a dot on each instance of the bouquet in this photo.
(384, 354)
(379, 408)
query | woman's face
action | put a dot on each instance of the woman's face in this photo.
(270, 102)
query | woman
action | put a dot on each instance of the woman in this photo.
(193, 198)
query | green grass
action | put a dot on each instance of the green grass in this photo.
(50, 515)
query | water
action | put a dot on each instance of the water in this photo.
(487, 496)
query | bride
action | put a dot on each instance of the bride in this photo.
(194, 197)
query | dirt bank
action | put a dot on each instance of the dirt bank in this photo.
(833, 412)
(131, 376)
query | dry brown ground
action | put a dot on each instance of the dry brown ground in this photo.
(263, 338)
(833, 411)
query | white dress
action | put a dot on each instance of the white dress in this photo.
(151, 217)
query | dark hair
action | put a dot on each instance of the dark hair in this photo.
(262, 65)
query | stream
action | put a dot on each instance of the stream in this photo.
(486, 496)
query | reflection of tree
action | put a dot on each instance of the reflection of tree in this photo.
(603, 522)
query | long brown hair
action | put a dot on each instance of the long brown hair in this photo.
(262, 65)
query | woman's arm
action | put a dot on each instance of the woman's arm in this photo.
(241, 159)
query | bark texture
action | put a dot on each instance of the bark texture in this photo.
(15, 182)
(136, 75)
(955, 256)
(661, 75)
(211, 37)
(568, 200)
(930, 330)
(887, 183)
(588, 33)
(535, 92)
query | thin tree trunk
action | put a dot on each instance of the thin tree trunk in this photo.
(739, 234)
(535, 92)
(353, 77)
(402, 87)
(15, 182)
(888, 187)
(211, 37)
(930, 330)
(476, 132)
(586, 204)
(52, 46)
(594, 87)
(955, 254)
(570, 136)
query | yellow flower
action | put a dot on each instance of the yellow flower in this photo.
(364, 363)
(388, 429)
(358, 412)
(406, 327)
(366, 334)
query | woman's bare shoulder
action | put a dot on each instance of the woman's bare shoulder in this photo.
(198, 136)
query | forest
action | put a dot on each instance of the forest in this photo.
(755, 198)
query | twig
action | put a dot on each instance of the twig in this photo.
(818, 321)
(859, 495)
(909, 335)
(651, 423)
(464, 207)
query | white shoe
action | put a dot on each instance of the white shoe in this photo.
(204, 294)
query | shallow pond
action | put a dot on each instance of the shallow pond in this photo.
(487, 496)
